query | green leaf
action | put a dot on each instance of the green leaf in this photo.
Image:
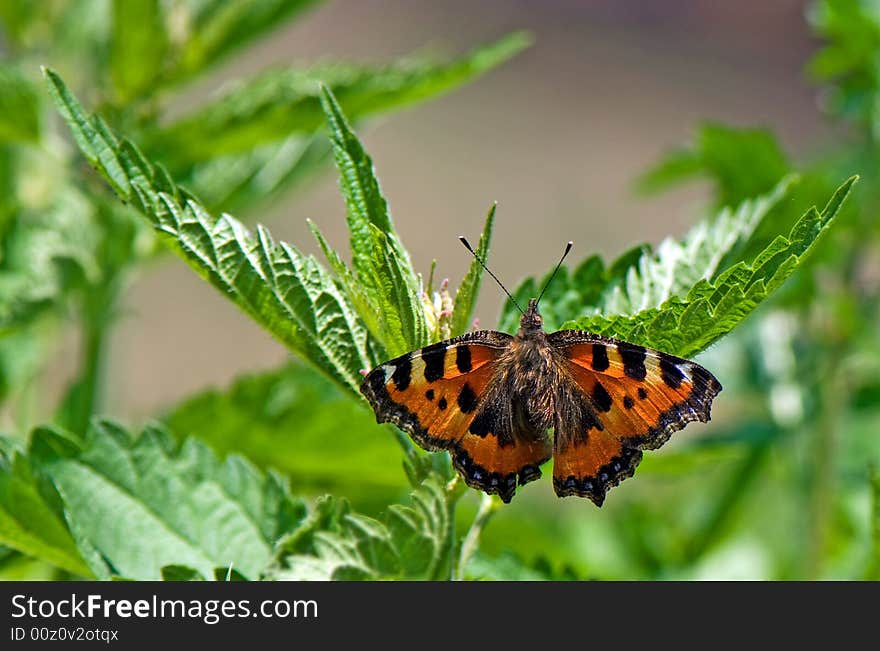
(375, 321)
(259, 139)
(28, 523)
(288, 293)
(144, 503)
(679, 265)
(508, 566)
(180, 573)
(469, 289)
(19, 107)
(383, 273)
(743, 163)
(640, 279)
(411, 542)
(218, 28)
(284, 102)
(44, 256)
(240, 183)
(289, 419)
(138, 46)
(93, 137)
(228, 574)
(689, 319)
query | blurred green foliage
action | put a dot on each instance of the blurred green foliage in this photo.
(783, 485)
(292, 416)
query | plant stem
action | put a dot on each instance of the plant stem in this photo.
(488, 506)
(86, 396)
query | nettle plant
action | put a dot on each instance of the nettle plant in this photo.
(222, 486)
(114, 504)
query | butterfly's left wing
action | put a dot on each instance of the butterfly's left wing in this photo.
(638, 398)
(436, 394)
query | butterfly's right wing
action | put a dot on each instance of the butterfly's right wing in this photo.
(436, 395)
(637, 397)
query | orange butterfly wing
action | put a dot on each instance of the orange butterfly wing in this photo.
(435, 395)
(639, 397)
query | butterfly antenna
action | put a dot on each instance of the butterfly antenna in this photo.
(468, 246)
(553, 275)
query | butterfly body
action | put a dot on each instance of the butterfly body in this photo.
(491, 399)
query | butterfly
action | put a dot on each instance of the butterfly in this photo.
(490, 398)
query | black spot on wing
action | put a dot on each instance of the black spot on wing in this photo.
(600, 358)
(642, 393)
(590, 421)
(402, 374)
(601, 397)
(670, 373)
(467, 399)
(633, 357)
(697, 406)
(442, 403)
(485, 422)
(463, 358)
(434, 356)
(429, 394)
(628, 402)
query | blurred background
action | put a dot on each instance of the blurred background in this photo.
(559, 136)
